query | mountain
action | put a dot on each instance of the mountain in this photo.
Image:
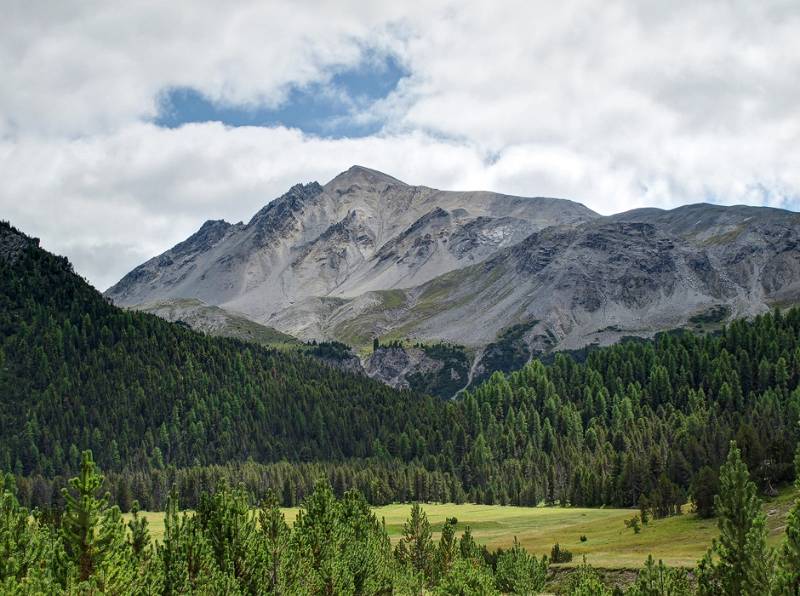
(164, 407)
(631, 274)
(367, 256)
(78, 373)
(363, 231)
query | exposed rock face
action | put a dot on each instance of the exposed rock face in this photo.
(369, 256)
(392, 365)
(13, 243)
(595, 282)
(349, 364)
(598, 281)
(439, 369)
(362, 231)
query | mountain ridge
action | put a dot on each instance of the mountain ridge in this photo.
(368, 256)
(297, 232)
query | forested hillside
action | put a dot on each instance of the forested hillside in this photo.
(338, 546)
(634, 424)
(77, 373)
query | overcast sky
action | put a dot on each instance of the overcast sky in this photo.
(125, 125)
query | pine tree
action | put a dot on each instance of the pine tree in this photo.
(230, 528)
(467, 545)
(447, 549)
(185, 555)
(337, 547)
(93, 533)
(660, 580)
(139, 534)
(275, 534)
(24, 545)
(705, 486)
(585, 581)
(416, 547)
(467, 578)
(739, 562)
(787, 578)
(519, 572)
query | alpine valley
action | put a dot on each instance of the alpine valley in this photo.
(434, 290)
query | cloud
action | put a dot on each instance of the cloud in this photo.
(616, 104)
(80, 69)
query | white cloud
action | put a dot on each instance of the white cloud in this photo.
(617, 104)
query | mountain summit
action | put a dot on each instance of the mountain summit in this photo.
(361, 177)
(360, 232)
(368, 256)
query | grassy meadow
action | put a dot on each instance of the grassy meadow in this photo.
(680, 540)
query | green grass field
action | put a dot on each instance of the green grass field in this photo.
(680, 540)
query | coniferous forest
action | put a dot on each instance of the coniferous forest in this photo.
(338, 546)
(176, 419)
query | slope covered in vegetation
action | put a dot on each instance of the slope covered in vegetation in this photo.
(78, 373)
(635, 424)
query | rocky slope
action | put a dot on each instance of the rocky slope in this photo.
(214, 320)
(13, 243)
(569, 286)
(368, 256)
(362, 231)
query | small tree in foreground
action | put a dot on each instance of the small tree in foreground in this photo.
(739, 562)
(467, 578)
(416, 547)
(787, 577)
(519, 572)
(660, 580)
(93, 534)
(585, 581)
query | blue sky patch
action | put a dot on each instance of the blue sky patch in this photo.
(324, 109)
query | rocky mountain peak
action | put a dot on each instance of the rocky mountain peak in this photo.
(291, 200)
(361, 178)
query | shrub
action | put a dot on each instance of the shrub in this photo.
(660, 579)
(586, 582)
(560, 555)
(519, 572)
(467, 577)
(634, 524)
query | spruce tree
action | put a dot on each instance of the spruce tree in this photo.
(739, 561)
